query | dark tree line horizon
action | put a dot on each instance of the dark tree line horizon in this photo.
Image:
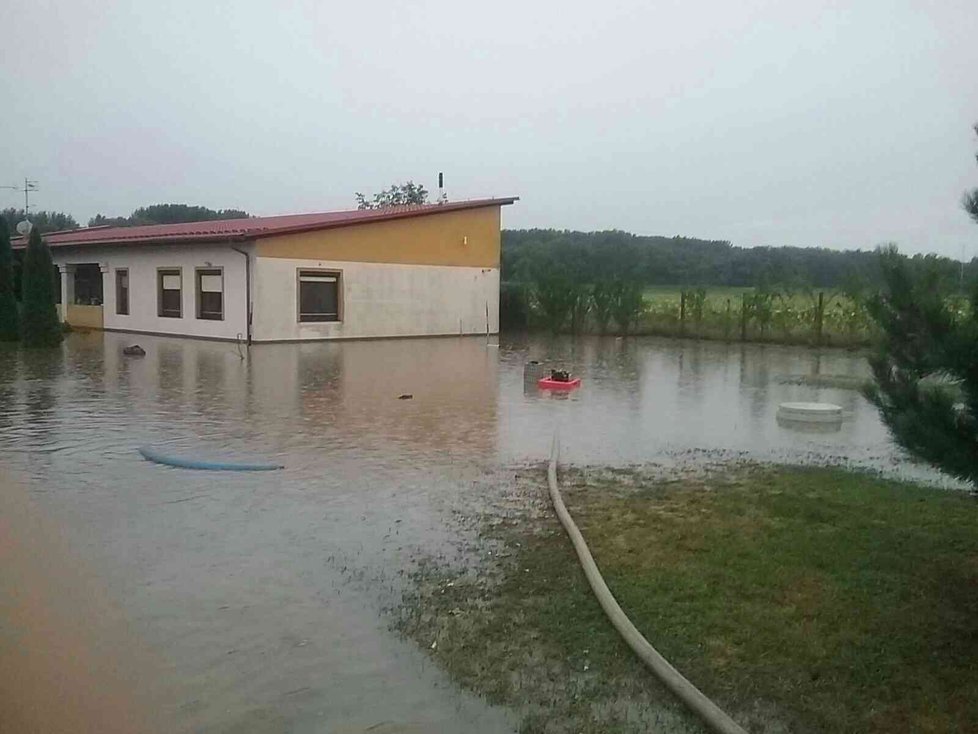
(693, 262)
(52, 221)
(607, 255)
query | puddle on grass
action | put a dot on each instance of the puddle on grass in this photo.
(263, 591)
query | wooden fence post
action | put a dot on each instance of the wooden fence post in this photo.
(682, 313)
(743, 319)
(819, 318)
(726, 323)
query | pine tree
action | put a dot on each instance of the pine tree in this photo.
(926, 364)
(9, 321)
(926, 367)
(39, 319)
(970, 199)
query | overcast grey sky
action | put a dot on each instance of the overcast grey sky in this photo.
(843, 124)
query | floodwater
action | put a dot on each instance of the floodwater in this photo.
(257, 597)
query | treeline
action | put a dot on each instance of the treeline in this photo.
(52, 221)
(606, 256)
(167, 214)
(43, 221)
(687, 261)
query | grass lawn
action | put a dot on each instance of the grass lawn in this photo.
(800, 599)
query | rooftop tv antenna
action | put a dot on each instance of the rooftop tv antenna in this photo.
(24, 227)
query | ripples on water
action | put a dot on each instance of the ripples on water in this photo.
(242, 581)
(331, 407)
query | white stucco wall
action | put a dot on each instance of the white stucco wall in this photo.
(142, 261)
(378, 300)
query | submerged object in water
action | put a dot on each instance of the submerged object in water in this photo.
(134, 351)
(185, 463)
(810, 412)
(533, 371)
(548, 383)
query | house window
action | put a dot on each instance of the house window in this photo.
(319, 295)
(170, 290)
(122, 292)
(88, 284)
(210, 294)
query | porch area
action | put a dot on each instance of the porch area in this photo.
(80, 304)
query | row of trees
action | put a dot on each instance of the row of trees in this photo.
(35, 323)
(44, 221)
(556, 281)
(167, 214)
(686, 261)
(562, 303)
(50, 221)
(554, 294)
(595, 256)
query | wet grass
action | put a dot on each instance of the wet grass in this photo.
(800, 599)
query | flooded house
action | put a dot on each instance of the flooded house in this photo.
(427, 270)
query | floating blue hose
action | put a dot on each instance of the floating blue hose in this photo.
(184, 463)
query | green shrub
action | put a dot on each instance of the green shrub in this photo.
(514, 306)
(602, 303)
(628, 304)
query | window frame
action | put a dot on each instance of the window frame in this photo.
(160, 272)
(94, 285)
(198, 306)
(338, 274)
(118, 272)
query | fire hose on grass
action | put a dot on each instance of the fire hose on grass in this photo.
(695, 700)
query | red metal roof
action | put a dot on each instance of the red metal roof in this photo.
(226, 230)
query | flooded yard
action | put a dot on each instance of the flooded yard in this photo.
(259, 596)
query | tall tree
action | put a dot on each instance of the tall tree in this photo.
(628, 304)
(9, 321)
(602, 303)
(40, 324)
(397, 195)
(555, 294)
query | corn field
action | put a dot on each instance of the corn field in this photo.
(817, 317)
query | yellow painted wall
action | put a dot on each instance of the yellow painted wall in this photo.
(432, 239)
(89, 317)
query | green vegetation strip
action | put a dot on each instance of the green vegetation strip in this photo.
(803, 600)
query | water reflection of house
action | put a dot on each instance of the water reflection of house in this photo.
(347, 395)
(405, 271)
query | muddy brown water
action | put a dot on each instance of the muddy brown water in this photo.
(259, 596)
